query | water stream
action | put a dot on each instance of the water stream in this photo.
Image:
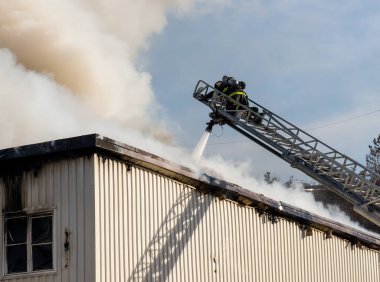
(199, 149)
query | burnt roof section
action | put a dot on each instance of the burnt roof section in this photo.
(19, 159)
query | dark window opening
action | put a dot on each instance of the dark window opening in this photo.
(42, 257)
(16, 230)
(42, 229)
(16, 247)
(17, 258)
(42, 242)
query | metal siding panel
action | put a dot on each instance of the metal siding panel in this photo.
(320, 259)
(242, 245)
(272, 252)
(245, 246)
(108, 222)
(288, 245)
(234, 244)
(252, 249)
(32, 191)
(118, 214)
(172, 195)
(308, 251)
(340, 262)
(111, 217)
(254, 237)
(117, 211)
(199, 236)
(248, 265)
(230, 267)
(217, 242)
(134, 213)
(125, 224)
(43, 187)
(281, 263)
(258, 249)
(358, 276)
(99, 219)
(144, 231)
(129, 243)
(264, 241)
(80, 186)
(26, 183)
(50, 183)
(192, 243)
(144, 211)
(345, 262)
(71, 206)
(119, 222)
(170, 219)
(89, 221)
(58, 214)
(64, 200)
(223, 218)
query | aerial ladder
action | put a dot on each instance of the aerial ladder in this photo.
(346, 177)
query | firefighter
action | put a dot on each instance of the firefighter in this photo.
(234, 89)
(219, 85)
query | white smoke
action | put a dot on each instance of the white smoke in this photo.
(85, 49)
(69, 68)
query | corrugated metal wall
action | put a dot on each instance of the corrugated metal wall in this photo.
(151, 228)
(66, 187)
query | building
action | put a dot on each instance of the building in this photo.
(90, 208)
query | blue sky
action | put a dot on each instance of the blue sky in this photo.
(314, 64)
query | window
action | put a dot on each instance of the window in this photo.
(29, 243)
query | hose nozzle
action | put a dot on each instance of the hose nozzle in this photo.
(210, 124)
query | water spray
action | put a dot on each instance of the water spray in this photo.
(199, 149)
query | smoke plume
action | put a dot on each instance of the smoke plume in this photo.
(66, 65)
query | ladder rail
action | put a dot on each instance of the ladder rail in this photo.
(318, 143)
(297, 163)
(356, 174)
(351, 175)
(330, 167)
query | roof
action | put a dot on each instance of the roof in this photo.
(13, 160)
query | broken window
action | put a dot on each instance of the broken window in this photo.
(29, 243)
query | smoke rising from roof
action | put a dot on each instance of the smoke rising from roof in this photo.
(69, 68)
(82, 55)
